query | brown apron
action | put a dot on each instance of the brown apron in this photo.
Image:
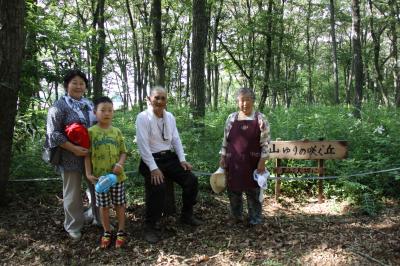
(243, 154)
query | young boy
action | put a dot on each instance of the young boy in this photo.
(107, 155)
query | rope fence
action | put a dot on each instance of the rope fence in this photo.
(206, 174)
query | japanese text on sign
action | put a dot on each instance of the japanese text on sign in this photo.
(308, 150)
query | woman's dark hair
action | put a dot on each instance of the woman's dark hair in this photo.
(246, 91)
(102, 99)
(72, 74)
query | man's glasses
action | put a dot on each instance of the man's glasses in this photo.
(162, 132)
(162, 98)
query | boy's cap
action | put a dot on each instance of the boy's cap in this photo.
(78, 134)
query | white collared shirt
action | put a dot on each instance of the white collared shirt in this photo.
(149, 137)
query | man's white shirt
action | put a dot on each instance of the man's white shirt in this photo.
(150, 140)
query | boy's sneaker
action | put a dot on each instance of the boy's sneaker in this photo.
(121, 239)
(105, 240)
(76, 236)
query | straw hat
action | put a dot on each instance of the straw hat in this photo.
(218, 180)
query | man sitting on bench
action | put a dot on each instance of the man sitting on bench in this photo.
(162, 156)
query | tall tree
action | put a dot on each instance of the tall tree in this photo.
(268, 57)
(376, 33)
(334, 53)
(136, 56)
(11, 54)
(214, 57)
(158, 51)
(394, 23)
(100, 49)
(357, 57)
(199, 41)
(309, 53)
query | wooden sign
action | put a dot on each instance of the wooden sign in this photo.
(299, 170)
(308, 150)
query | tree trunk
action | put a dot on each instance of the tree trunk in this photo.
(309, 55)
(375, 34)
(158, 51)
(136, 56)
(12, 42)
(215, 59)
(100, 53)
(279, 52)
(188, 70)
(395, 54)
(267, 57)
(357, 57)
(334, 54)
(199, 41)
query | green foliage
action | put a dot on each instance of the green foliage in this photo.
(372, 142)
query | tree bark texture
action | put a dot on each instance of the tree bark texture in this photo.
(136, 56)
(396, 71)
(334, 53)
(376, 38)
(309, 54)
(100, 46)
(357, 57)
(12, 42)
(199, 41)
(268, 57)
(158, 51)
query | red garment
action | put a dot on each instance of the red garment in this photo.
(243, 154)
(78, 134)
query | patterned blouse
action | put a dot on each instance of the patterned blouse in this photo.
(264, 128)
(59, 116)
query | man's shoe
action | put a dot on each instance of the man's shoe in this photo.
(191, 220)
(150, 235)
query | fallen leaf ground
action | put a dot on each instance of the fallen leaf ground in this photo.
(294, 233)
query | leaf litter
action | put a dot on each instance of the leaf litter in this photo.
(293, 233)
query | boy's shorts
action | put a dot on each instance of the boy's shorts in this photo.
(115, 196)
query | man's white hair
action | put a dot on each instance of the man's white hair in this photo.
(157, 89)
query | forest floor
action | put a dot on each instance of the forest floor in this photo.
(294, 233)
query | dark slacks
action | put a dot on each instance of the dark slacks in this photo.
(171, 168)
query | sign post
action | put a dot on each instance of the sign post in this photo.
(305, 150)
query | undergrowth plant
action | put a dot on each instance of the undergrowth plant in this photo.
(372, 146)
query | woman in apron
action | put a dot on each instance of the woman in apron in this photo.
(245, 149)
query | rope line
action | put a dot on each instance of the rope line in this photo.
(199, 174)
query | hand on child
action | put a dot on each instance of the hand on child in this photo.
(92, 179)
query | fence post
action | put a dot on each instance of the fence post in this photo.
(320, 181)
(278, 180)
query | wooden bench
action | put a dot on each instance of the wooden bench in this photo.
(305, 150)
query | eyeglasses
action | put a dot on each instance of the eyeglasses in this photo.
(162, 98)
(162, 131)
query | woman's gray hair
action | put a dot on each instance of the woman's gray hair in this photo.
(245, 91)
